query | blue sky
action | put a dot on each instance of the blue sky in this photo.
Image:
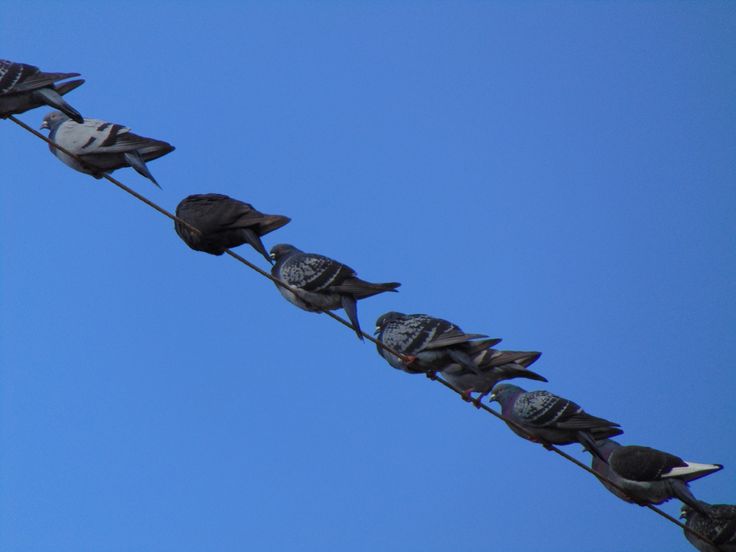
(557, 174)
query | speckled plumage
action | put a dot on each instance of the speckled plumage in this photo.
(224, 223)
(551, 419)
(719, 526)
(24, 87)
(436, 343)
(322, 283)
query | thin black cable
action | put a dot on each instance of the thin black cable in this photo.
(475, 402)
(230, 252)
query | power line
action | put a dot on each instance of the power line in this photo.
(406, 358)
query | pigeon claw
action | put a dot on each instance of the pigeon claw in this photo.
(432, 375)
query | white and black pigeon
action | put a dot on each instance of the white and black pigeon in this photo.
(24, 87)
(492, 366)
(224, 223)
(648, 476)
(102, 147)
(718, 525)
(322, 283)
(431, 344)
(551, 420)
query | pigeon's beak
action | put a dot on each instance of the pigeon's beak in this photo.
(376, 330)
(272, 255)
(44, 125)
(492, 398)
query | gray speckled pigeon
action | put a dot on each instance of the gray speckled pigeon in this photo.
(103, 147)
(24, 87)
(432, 344)
(647, 475)
(224, 223)
(323, 284)
(550, 419)
(492, 366)
(719, 525)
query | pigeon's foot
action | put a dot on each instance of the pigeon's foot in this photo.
(467, 396)
(432, 375)
(408, 360)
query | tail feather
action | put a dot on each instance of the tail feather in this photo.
(41, 79)
(66, 87)
(681, 491)
(136, 161)
(528, 374)
(51, 97)
(360, 289)
(692, 471)
(524, 358)
(269, 223)
(255, 242)
(589, 442)
(350, 305)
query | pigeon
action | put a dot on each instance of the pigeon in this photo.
(494, 366)
(719, 526)
(224, 223)
(24, 87)
(431, 344)
(644, 475)
(550, 419)
(322, 283)
(102, 147)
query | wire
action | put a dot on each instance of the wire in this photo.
(475, 402)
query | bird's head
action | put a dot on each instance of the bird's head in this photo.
(282, 250)
(52, 120)
(385, 319)
(505, 393)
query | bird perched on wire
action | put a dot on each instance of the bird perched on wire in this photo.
(24, 87)
(224, 223)
(644, 475)
(102, 147)
(718, 525)
(428, 344)
(551, 420)
(492, 366)
(322, 283)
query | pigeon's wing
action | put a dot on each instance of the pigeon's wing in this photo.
(447, 334)
(21, 77)
(581, 420)
(312, 272)
(408, 334)
(542, 408)
(13, 74)
(360, 289)
(501, 358)
(643, 463)
(93, 136)
(42, 80)
(235, 214)
(96, 137)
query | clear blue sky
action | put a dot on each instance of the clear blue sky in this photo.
(557, 174)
